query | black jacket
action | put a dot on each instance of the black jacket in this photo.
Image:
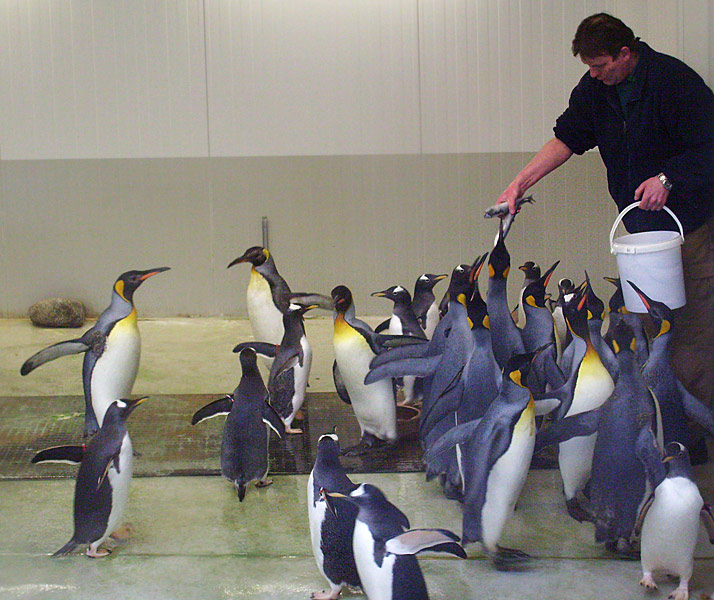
(668, 127)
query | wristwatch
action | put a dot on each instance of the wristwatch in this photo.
(664, 180)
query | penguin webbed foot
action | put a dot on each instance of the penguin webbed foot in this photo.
(648, 582)
(325, 595)
(263, 483)
(623, 549)
(577, 512)
(97, 552)
(293, 431)
(510, 559)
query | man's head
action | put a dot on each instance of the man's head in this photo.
(607, 46)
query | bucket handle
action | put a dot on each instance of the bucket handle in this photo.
(628, 209)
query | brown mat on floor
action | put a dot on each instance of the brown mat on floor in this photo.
(166, 443)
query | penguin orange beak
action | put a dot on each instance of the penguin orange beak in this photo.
(378, 294)
(153, 272)
(641, 294)
(328, 496)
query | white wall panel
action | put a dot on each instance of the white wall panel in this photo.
(94, 78)
(312, 77)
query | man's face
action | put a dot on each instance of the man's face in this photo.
(609, 70)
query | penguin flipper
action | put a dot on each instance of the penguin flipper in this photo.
(546, 406)
(308, 298)
(708, 519)
(383, 326)
(286, 361)
(637, 529)
(72, 455)
(222, 406)
(696, 410)
(54, 351)
(262, 348)
(456, 435)
(648, 451)
(417, 367)
(272, 419)
(582, 424)
(419, 540)
(409, 351)
(340, 384)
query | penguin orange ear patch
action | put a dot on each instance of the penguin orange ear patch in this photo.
(119, 288)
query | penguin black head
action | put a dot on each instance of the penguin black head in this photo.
(396, 293)
(660, 313)
(119, 410)
(341, 298)
(478, 312)
(530, 269)
(518, 367)
(623, 338)
(595, 306)
(616, 304)
(248, 361)
(575, 312)
(126, 283)
(296, 308)
(460, 286)
(255, 255)
(427, 281)
(677, 462)
(499, 261)
(565, 286)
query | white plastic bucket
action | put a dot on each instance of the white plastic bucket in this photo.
(653, 261)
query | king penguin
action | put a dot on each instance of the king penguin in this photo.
(112, 349)
(531, 273)
(331, 531)
(288, 379)
(496, 453)
(669, 521)
(354, 344)
(244, 448)
(384, 547)
(102, 485)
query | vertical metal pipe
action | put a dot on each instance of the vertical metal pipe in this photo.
(265, 233)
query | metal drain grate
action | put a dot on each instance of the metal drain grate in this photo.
(166, 443)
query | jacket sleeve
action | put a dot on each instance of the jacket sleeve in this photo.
(574, 127)
(687, 111)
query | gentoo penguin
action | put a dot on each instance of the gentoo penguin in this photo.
(111, 351)
(102, 485)
(331, 531)
(675, 402)
(290, 370)
(669, 521)
(424, 302)
(244, 449)
(497, 451)
(384, 547)
(531, 273)
(268, 296)
(355, 345)
(403, 322)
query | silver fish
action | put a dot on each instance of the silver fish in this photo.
(501, 209)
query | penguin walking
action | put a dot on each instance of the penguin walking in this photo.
(288, 379)
(112, 349)
(331, 531)
(384, 547)
(244, 448)
(497, 451)
(355, 345)
(102, 484)
(424, 302)
(669, 521)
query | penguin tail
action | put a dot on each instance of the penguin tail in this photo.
(66, 549)
(240, 487)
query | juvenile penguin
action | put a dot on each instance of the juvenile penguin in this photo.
(497, 451)
(290, 370)
(112, 349)
(355, 345)
(331, 531)
(244, 449)
(424, 302)
(384, 547)
(102, 485)
(670, 520)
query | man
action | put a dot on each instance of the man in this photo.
(652, 118)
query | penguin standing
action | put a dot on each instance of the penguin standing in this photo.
(531, 273)
(497, 452)
(102, 485)
(355, 345)
(670, 519)
(331, 531)
(244, 448)
(112, 349)
(384, 547)
(289, 372)
(424, 302)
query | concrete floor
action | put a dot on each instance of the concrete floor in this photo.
(190, 538)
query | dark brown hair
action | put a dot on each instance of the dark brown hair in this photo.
(603, 34)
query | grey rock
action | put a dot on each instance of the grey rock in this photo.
(57, 312)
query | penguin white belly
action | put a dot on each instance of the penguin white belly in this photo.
(376, 580)
(316, 515)
(115, 371)
(302, 375)
(506, 479)
(670, 528)
(120, 484)
(432, 318)
(592, 389)
(266, 320)
(373, 404)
